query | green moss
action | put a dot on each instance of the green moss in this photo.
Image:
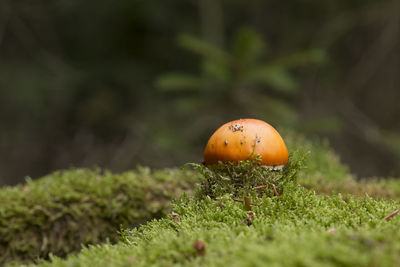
(297, 228)
(388, 188)
(245, 178)
(65, 209)
(326, 174)
(58, 213)
(321, 162)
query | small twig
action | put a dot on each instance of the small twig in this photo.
(275, 191)
(44, 243)
(391, 215)
(241, 201)
(247, 202)
(260, 187)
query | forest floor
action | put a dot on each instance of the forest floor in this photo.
(320, 215)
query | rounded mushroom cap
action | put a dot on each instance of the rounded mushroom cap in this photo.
(237, 140)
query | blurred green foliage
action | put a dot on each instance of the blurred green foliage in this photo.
(235, 77)
(94, 83)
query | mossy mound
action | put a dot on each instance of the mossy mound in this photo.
(326, 174)
(245, 178)
(297, 228)
(67, 209)
(61, 212)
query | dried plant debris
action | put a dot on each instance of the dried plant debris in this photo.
(200, 247)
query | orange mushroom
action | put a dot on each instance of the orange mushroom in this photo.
(237, 140)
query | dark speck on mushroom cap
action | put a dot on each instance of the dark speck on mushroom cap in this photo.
(236, 127)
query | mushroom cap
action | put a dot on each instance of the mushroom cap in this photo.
(237, 140)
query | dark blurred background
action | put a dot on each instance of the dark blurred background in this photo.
(120, 83)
